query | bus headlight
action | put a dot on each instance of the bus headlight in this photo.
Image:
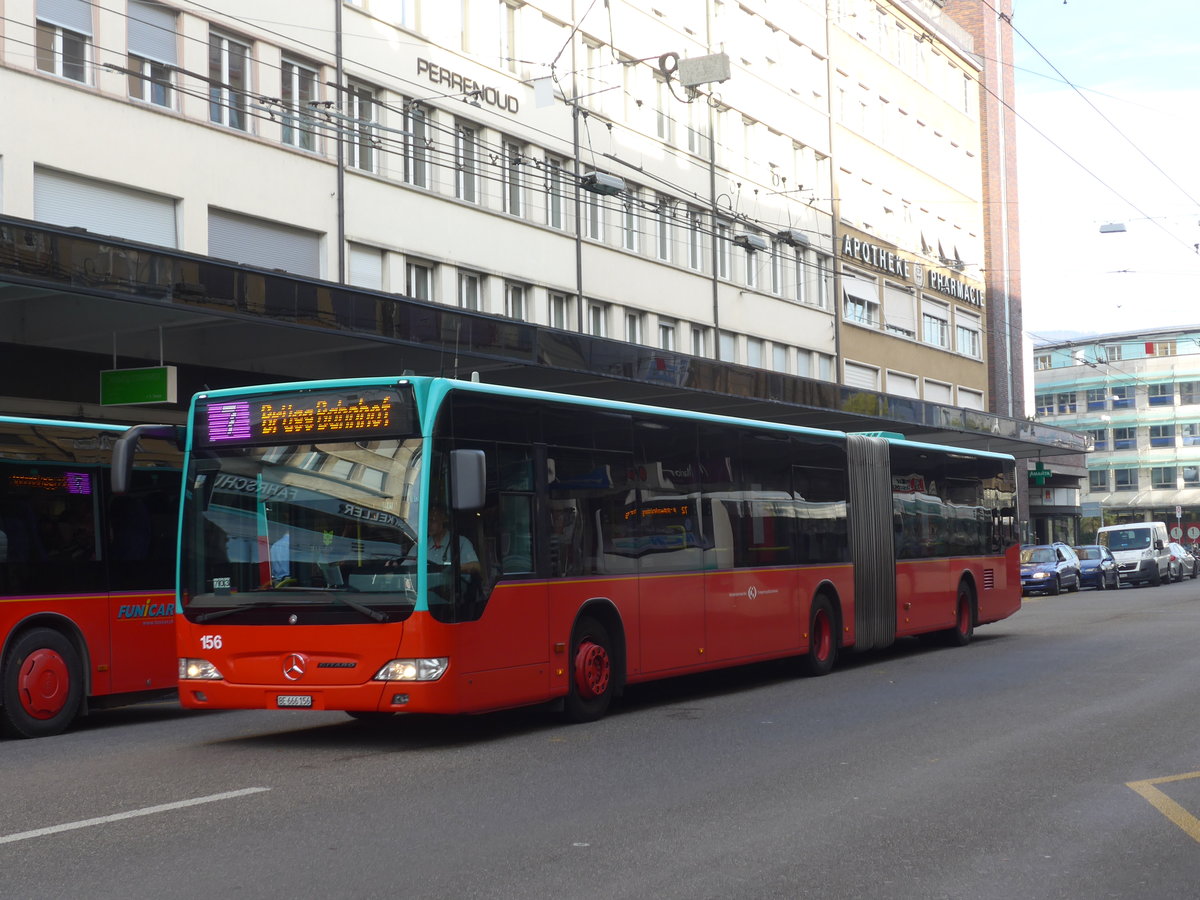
(199, 669)
(413, 669)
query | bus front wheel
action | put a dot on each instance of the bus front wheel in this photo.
(964, 622)
(592, 674)
(42, 683)
(822, 638)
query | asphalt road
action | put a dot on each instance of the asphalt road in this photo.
(1033, 763)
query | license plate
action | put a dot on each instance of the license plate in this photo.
(294, 700)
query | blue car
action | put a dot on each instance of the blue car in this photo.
(1097, 567)
(1049, 568)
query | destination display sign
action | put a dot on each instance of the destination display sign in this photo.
(305, 417)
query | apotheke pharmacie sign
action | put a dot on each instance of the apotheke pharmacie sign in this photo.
(891, 263)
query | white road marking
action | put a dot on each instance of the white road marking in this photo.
(132, 814)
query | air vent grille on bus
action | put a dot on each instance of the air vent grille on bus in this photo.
(989, 579)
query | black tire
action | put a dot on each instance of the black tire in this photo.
(42, 684)
(964, 620)
(1156, 577)
(1102, 582)
(1177, 575)
(592, 671)
(1074, 588)
(822, 638)
(1055, 587)
(1195, 570)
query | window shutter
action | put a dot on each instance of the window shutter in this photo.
(103, 207)
(152, 32)
(260, 242)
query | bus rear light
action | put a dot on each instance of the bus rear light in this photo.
(413, 669)
(199, 669)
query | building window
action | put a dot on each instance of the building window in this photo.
(779, 357)
(1189, 392)
(1162, 435)
(556, 194)
(1125, 479)
(666, 334)
(1122, 397)
(1066, 403)
(63, 52)
(1124, 438)
(824, 280)
(593, 216)
(514, 197)
(754, 352)
(1189, 475)
(509, 56)
(662, 218)
(1098, 480)
(1161, 394)
(1113, 352)
(360, 132)
(629, 219)
(1097, 398)
(695, 242)
(466, 156)
(750, 262)
(229, 81)
(299, 95)
(1041, 361)
(800, 259)
(722, 249)
(1190, 432)
(1044, 404)
(824, 366)
(777, 268)
(1160, 348)
(664, 124)
(1163, 477)
(470, 291)
(1099, 438)
(727, 346)
(633, 327)
(417, 145)
(514, 300)
(935, 324)
(560, 311)
(861, 301)
(597, 319)
(967, 335)
(418, 280)
(153, 52)
(699, 340)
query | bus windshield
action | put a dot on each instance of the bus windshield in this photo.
(305, 533)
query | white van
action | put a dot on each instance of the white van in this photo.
(1140, 549)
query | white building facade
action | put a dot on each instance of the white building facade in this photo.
(675, 174)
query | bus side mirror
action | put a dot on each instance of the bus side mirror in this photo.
(468, 478)
(125, 449)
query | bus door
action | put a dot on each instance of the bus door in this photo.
(139, 549)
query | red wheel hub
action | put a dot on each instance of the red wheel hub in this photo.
(593, 668)
(43, 684)
(822, 637)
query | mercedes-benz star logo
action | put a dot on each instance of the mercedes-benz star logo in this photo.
(752, 592)
(293, 666)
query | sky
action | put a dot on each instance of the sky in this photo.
(1112, 137)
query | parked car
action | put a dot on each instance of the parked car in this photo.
(1183, 564)
(1097, 567)
(1049, 568)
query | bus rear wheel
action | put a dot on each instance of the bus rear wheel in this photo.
(822, 638)
(42, 684)
(964, 622)
(592, 672)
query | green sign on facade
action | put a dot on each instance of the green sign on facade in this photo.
(127, 387)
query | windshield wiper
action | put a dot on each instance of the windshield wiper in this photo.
(221, 613)
(369, 612)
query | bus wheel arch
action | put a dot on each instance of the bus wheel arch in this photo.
(596, 661)
(43, 675)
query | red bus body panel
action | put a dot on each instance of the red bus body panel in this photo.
(127, 639)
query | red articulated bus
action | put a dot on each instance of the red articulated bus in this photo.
(87, 609)
(442, 546)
